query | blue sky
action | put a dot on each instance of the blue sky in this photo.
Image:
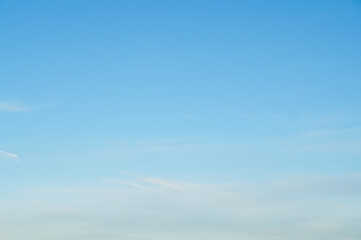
(232, 100)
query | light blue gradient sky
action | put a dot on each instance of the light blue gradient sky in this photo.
(139, 99)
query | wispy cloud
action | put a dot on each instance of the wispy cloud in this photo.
(149, 183)
(16, 106)
(132, 184)
(326, 119)
(186, 116)
(8, 156)
(164, 183)
(268, 116)
(330, 132)
(12, 107)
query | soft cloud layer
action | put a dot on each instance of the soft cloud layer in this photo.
(307, 207)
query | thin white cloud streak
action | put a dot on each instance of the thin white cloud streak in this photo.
(151, 183)
(164, 183)
(12, 107)
(269, 116)
(119, 181)
(186, 116)
(301, 120)
(326, 119)
(271, 210)
(329, 132)
(18, 107)
(8, 156)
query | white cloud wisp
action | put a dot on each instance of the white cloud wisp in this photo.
(12, 107)
(8, 156)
